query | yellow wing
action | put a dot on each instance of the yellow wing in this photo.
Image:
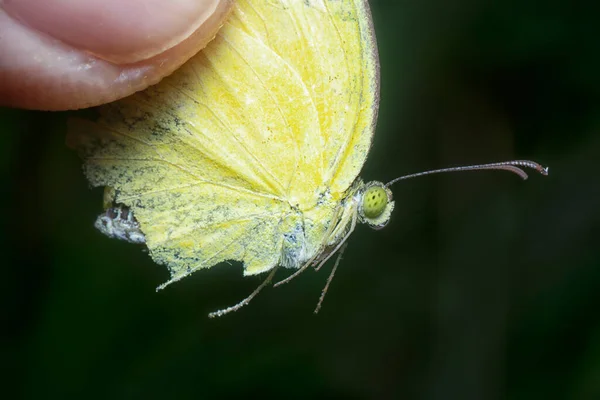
(190, 221)
(330, 46)
(215, 159)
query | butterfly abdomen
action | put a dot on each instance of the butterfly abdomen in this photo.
(118, 222)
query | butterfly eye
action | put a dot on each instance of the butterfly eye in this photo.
(374, 201)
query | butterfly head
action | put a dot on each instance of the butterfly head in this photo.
(374, 199)
(375, 204)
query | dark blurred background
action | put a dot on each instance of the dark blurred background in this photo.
(481, 287)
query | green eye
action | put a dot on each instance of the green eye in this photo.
(374, 201)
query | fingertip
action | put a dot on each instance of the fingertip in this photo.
(40, 72)
(121, 32)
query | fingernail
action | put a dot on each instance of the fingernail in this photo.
(121, 32)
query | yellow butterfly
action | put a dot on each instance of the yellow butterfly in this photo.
(252, 150)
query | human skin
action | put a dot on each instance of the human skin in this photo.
(71, 54)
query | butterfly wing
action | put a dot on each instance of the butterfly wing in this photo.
(330, 45)
(190, 220)
(212, 159)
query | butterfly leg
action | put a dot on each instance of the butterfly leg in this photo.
(244, 302)
(342, 242)
(337, 262)
(295, 274)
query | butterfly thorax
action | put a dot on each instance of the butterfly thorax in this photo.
(312, 234)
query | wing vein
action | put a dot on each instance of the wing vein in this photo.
(201, 180)
(298, 27)
(347, 138)
(238, 140)
(189, 232)
(265, 173)
(213, 256)
(281, 113)
(158, 154)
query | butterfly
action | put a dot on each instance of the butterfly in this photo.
(251, 151)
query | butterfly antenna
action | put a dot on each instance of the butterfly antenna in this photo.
(511, 166)
(244, 302)
(337, 262)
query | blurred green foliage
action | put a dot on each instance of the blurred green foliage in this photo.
(481, 287)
